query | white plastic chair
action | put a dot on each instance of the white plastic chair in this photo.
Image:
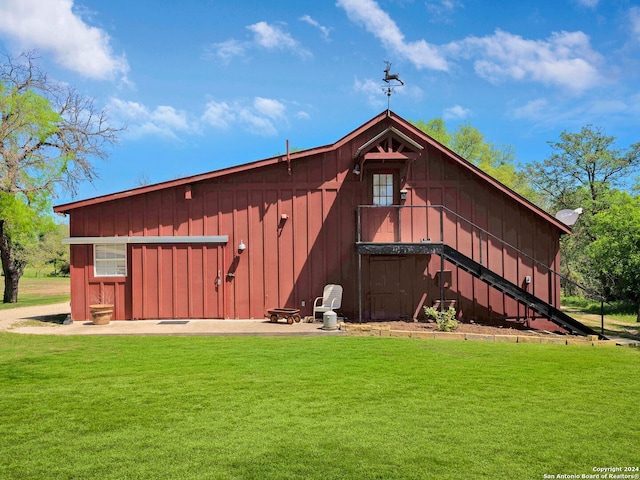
(331, 299)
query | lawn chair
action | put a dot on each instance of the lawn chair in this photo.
(331, 299)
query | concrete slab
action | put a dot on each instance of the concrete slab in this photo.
(192, 327)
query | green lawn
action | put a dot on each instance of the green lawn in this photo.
(620, 311)
(325, 407)
(41, 290)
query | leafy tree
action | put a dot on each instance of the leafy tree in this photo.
(583, 167)
(51, 251)
(49, 134)
(469, 143)
(23, 225)
(584, 170)
(615, 253)
(436, 129)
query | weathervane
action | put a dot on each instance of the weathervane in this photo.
(390, 87)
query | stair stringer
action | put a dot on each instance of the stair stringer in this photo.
(514, 291)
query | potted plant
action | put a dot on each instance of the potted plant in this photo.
(101, 310)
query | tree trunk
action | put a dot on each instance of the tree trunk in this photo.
(11, 268)
(638, 314)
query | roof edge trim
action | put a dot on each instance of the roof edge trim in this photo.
(146, 239)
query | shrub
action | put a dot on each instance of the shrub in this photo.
(445, 319)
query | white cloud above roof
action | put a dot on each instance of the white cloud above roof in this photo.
(456, 112)
(371, 89)
(52, 26)
(262, 117)
(269, 107)
(265, 36)
(314, 23)
(163, 121)
(273, 37)
(565, 59)
(227, 50)
(377, 22)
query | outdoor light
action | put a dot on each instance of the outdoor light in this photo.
(242, 247)
(403, 194)
(356, 169)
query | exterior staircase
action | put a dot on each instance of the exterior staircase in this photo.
(514, 291)
(427, 247)
(479, 271)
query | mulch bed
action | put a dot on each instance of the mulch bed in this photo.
(462, 328)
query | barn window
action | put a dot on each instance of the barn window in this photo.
(110, 260)
(383, 189)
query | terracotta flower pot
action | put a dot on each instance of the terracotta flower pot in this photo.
(101, 313)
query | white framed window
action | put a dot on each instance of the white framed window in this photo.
(110, 260)
(383, 189)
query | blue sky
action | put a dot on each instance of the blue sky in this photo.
(202, 85)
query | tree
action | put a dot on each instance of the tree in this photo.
(584, 166)
(468, 142)
(436, 129)
(583, 170)
(615, 253)
(21, 228)
(49, 135)
(50, 251)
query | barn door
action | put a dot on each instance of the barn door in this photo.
(384, 288)
(175, 281)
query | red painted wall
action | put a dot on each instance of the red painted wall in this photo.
(289, 260)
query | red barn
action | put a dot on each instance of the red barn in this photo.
(388, 212)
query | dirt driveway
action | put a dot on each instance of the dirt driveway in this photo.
(15, 315)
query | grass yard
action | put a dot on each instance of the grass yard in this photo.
(323, 407)
(619, 321)
(41, 290)
(618, 311)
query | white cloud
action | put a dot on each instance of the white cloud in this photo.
(269, 108)
(369, 14)
(52, 26)
(302, 115)
(256, 124)
(266, 36)
(272, 37)
(323, 30)
(372, 90)
(163, 121)
(634, 20)
(566, 59)
(219, 114)
(227, 50)
(261, 117)
(375, 92)
(441, 10)
(620, 110)
(456, 113)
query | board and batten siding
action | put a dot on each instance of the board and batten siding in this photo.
(299, 228)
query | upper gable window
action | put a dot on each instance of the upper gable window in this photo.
(110, 260)
(383, 189)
